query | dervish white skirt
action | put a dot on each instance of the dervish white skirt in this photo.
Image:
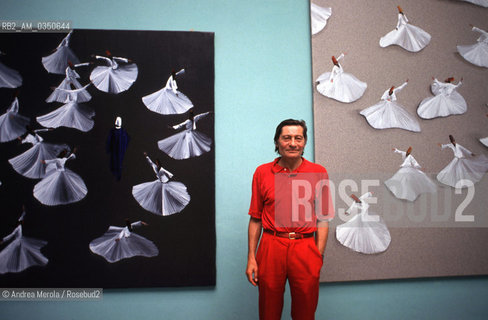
(12, 126)
(484, 141)
(165, 101)
(57, 62)
(126, 247)
(409, 37)
(362, 236)
(345, 87)
(483, 3)
(389, 114)
(442, 106)
(63, 96)
(71, 115)
(161, 198)
(472, 168)
(185, 144)
(476, 53)
(319, 16)
(107, 79)
(21, 254)
(408, 183)
(29, 163)
(60, 187)
(9, 78)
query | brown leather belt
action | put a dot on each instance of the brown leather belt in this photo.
(289, 235)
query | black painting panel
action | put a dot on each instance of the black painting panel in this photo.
(186, 240)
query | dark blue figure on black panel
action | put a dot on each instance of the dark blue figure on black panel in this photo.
(117, 142)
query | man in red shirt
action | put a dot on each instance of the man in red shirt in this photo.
(290, 206)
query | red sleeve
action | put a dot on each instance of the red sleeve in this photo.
(257, 203)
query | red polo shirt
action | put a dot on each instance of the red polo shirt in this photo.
(267, 196)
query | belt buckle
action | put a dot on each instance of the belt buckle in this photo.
(290, 234)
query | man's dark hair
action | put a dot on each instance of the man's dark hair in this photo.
(289, 122)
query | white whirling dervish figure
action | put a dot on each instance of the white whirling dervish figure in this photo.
(168, 100)
(364, 233)
(390, 114)
(318, 17)
(9, 78)
(12, 124)
(483, 3)
(29, 163)
(188, 143)
(409, 182)
(340, 85)
(465, 166)
(446, 100)
(116, 76)
(60, 185)
(57, 62)
(476, 53)
(122, 242)
(161, 196)
(59, 94)
(72, 114)
(22, 252)
(405, 35)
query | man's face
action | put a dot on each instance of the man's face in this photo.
(291, 142)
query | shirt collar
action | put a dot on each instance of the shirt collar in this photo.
(276, 168)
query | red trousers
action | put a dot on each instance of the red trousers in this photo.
(297, 260)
